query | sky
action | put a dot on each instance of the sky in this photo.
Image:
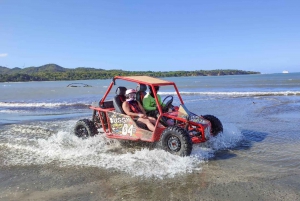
(156, 35)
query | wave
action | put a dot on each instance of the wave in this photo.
(237, 94)
(13, 111)
(43, 105)
(184, 93)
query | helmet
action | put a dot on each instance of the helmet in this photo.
(129, 91)
(130, 94)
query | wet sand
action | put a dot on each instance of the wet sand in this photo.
(220, 179)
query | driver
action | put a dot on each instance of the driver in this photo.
(134, 109)
(149, 102)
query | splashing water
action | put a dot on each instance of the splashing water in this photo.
(65, 149)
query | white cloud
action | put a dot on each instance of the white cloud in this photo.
(3, 54)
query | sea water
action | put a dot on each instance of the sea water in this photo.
(255, 158)
(260, 116)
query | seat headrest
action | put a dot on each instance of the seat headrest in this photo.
(141, 87)
(121, 91)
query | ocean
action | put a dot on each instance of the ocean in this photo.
(257, 157)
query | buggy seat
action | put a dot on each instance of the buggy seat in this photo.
(141, 92)
(119, 99)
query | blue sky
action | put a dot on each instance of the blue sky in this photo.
(258, 35)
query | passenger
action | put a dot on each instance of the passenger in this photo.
(134, 109)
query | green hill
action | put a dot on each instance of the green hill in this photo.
(44, 68)
(5, 70)
(50, 72)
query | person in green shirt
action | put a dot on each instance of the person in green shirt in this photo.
(150, 106)
(149, 102)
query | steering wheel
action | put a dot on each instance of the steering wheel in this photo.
(168, 103)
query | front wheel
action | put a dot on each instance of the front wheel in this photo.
(216, 125)
(85, 128)
(176, 141)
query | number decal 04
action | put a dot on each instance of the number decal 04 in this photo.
(127, 129)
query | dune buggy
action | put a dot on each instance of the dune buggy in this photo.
(178, 138)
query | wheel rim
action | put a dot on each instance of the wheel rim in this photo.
(82, 132)
(174, 143)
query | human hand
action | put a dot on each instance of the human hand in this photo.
(142, 116)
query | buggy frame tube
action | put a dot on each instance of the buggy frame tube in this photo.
(106, 93)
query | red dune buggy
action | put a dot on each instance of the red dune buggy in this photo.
(178, 138)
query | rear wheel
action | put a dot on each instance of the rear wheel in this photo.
(85, 128)
(176, 141)
(216, 124)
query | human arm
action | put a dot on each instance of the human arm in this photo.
(127, 111)
(159, 100)
(142, 109)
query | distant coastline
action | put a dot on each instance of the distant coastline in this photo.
(54, 72)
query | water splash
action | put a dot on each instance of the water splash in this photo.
(65, 149)
(230, 138)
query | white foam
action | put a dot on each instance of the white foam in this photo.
(13, 111)
(20, 104)
(237, 94)
(230, 138)
(44, 104)
(99, 151)
(96, 152)
(29, 130)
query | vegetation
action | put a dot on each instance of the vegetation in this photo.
(51, 72)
